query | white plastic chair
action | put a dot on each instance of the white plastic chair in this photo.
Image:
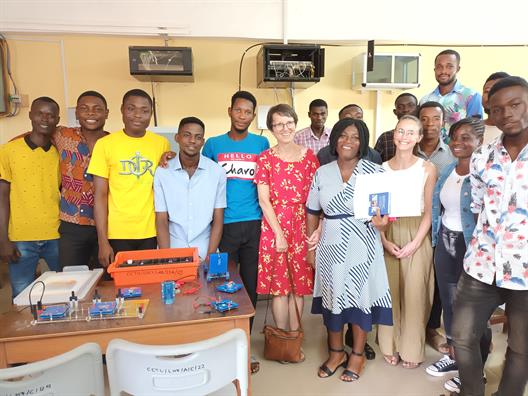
(77, 372)
(197, 368)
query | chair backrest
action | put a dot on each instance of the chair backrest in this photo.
(77, 372)
(196, 368)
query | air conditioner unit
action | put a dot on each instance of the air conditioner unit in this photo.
(391, 71)
(280, 65)
(164, 64)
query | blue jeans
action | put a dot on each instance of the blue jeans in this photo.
(475, 302)
(22, 271)
(448, 262)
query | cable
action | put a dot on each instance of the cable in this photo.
(5, 48)
(154, 103)
(34, 309)
(41, 295)
(242, 61)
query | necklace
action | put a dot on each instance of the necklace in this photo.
(459, 178)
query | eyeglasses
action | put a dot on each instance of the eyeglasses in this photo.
(409, 132)
(282, 126)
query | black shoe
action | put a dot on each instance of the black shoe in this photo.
(370, 354)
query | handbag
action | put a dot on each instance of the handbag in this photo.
(279, 344)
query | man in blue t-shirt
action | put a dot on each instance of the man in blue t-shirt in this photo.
(236, 151)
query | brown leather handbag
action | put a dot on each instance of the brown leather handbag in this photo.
(283, 345)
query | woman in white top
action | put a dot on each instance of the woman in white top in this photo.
(409, 256)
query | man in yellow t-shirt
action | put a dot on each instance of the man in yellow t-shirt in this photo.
(29, 197)
(123, 165)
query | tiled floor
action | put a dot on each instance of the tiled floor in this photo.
(378, 378)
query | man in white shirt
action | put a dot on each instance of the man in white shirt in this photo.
(496, 262)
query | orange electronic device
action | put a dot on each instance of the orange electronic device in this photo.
(154, 266)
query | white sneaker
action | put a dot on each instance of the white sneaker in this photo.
(453, 385)
(444, 366)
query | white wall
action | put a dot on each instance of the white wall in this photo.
(412, 21)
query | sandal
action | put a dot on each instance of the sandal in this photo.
(326, 370)
(255, 365)
(303, 358)
(393, 360)
(435, 340)
(410, 365)
(352, 374)
(349, 341)
(444, 348)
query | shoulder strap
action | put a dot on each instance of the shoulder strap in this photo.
(292, 286)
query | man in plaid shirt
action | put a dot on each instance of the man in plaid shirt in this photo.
(316, 136)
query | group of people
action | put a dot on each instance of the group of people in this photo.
(286, 215)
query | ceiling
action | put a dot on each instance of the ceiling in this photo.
(483, 22)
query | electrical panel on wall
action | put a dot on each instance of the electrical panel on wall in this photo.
(163, 64)
(391, 71)
(280, 65)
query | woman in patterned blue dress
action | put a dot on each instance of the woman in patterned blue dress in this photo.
(351, 283)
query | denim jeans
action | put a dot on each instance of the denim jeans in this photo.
(448, 262)
(474, 303)
(22, 271)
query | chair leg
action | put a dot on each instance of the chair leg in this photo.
(237, 386)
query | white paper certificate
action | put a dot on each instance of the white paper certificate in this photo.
(404, 187)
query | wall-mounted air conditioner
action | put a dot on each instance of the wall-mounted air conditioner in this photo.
(391, 71)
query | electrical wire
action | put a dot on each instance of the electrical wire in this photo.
(242, 61)
(4, 46)
(41, 295)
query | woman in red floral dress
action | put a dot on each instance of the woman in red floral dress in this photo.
(284, 175)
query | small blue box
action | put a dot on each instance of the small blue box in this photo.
(224, 305)
(229, 287)
(54, 312)
(103, 308)
(217, 266)
(131, 292)
(168, 291)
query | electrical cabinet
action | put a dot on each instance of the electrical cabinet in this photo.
(281, 65)
(164, 64)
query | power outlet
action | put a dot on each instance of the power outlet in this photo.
(21, 100)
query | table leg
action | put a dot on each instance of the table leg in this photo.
(3, 357)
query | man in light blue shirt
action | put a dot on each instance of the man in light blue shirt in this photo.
(459, 102)
(190, 195)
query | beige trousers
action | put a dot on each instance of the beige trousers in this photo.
(411, 282)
